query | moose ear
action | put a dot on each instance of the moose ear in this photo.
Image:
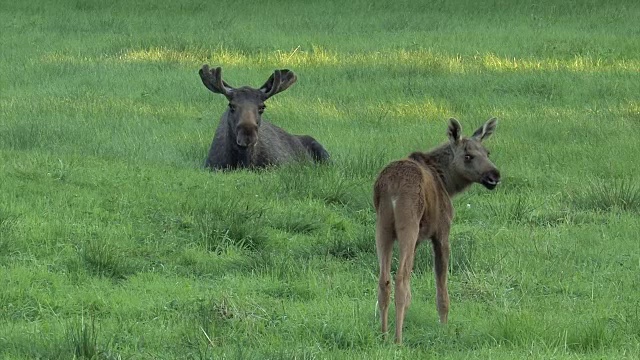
(485, 130)
(278, 82)
(454, 131)
(212, 79)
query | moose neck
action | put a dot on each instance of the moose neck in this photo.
(440, 161)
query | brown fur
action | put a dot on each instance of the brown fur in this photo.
(242, 138)
(412, 198)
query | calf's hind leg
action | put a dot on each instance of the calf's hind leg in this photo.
(384, 247)
(441, 251)
(407, 239)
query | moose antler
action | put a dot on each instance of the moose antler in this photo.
(275, 80)
(278, 82)
(212, 79)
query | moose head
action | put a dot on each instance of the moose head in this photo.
(246, 104)
(470, 157)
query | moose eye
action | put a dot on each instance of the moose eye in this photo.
(468, 157)
(261, 108)
(232, 108)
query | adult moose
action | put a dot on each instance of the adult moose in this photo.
(412, 198)
(242, 138)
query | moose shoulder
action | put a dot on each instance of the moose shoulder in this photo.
(243, 139)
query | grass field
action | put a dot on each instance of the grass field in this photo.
(116, 243)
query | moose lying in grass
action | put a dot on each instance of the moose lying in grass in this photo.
(412, 198)
(243, 139)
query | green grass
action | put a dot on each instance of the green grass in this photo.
(115, 243)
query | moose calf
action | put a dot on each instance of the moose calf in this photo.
(412, 198)
(242, 138)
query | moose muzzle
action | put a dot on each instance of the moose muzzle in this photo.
(491, 179)
(247, 136)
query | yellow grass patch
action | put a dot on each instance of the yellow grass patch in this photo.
(317, 57)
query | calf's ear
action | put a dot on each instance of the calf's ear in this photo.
(454, 131)
(485, 130)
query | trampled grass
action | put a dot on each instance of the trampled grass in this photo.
(115, 243)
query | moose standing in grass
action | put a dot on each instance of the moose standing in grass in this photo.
(243, 139)
(412, 198)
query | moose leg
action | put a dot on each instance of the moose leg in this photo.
(441, 267)
(407, 239)
(384, 247)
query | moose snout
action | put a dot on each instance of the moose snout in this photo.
(491, 179)
(246, 137)
(245, 141)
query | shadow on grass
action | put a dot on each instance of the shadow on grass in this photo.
(521, 330)
(82, 337)
(330, 183)
(104, 259)
(7, 225)
(230, 223)
(622, 194)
